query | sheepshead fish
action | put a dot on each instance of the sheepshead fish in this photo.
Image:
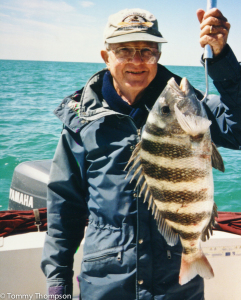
(173, 163)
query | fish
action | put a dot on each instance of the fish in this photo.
(172, 164)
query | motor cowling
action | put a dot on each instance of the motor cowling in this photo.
(29, 185)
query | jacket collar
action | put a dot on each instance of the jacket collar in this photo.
(85, 105)
(88, 104)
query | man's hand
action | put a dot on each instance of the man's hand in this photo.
(214, 29)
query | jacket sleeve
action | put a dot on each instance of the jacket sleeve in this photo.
(225, 111)
(66, 213)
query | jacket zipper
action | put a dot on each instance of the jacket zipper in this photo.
(118, 256)
(169, 254)
(138, 131)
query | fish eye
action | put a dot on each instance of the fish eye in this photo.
(165, 110)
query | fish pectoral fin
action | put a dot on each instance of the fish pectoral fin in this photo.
(209, 229)
(198, 266)
(192, 125)
(217, 161)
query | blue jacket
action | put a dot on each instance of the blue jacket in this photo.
(125, 257)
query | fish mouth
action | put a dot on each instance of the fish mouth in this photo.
(185, 97)
(185, 87)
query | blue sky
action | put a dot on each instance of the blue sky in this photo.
(64, 30)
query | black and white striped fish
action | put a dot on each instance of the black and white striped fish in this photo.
(174, 162)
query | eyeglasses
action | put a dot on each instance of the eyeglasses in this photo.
(148, 55)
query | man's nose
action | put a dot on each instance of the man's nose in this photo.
(137, 59)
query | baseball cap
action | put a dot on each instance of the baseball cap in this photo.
(130, 25)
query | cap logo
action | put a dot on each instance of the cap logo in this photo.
(130, 25)
(133, 22)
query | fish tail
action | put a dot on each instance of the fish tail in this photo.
(190, 268)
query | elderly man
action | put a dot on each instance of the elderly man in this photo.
(125, 256)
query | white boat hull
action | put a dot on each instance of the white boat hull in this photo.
(22, 278)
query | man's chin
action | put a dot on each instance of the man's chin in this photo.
(136, 85)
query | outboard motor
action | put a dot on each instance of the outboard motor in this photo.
(29, 185)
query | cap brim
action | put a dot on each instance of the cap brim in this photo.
(134, 37)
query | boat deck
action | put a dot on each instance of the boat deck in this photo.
(21, 274)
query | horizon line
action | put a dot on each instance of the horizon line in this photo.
(33, 60)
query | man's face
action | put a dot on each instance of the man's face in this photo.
(133, 75)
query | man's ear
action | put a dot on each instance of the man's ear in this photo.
(105, 57)
(159, 55)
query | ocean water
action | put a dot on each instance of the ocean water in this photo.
(30, 91)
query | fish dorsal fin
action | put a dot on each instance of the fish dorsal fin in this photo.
(217, 161)
(170, 236)
(134, 159)
(209, 229)
(192, 125)
(167, 232)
